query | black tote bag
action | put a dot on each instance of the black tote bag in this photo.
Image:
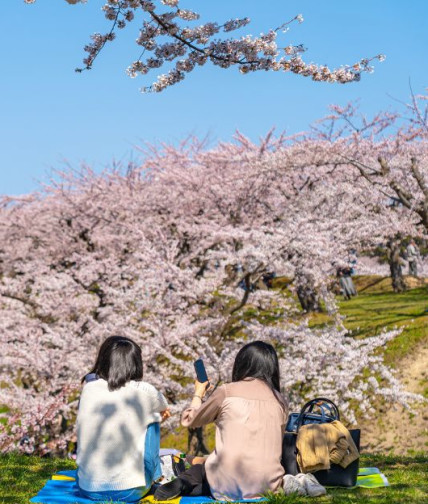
(336, 475)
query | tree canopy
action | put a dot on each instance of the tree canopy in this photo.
(173, 252)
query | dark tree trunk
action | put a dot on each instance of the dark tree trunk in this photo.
(308, 298)
(398, 284)
(196, 442)
(395, 267)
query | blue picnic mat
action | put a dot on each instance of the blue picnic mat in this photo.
(63, 489)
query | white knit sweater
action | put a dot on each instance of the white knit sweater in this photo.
(111, 432)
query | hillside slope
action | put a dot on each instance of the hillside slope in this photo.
(393, 429)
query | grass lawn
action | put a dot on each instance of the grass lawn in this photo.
(369, 314)
(22, 476)
(373, 311)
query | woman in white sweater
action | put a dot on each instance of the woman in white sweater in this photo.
(118, 426)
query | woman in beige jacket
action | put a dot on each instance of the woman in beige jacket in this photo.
(250, 416)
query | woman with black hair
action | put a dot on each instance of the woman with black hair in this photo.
(250, 416)
(118, 432)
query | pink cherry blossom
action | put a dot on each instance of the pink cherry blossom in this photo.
(160, 252)
(167, 29)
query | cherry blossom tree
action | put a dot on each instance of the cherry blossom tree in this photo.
(387, 158)
(160, 253)
(389, 152)
(168, 38)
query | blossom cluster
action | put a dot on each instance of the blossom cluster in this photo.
(166, 34)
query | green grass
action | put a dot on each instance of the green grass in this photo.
(373, 311)
(178, 438)
(22, 476)
(370, 313)
(408, 477)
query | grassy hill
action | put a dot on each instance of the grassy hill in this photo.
(377, 308)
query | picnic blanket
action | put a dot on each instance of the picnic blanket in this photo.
(371, 477)
(63, 489)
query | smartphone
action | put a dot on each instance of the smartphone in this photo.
(201, 373)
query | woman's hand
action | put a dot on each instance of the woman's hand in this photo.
(165, 414)
(201, 388)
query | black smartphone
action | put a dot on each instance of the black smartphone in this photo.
(201, 373)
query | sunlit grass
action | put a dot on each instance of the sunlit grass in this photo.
(407, 476)
(371, 312)
(22, 476)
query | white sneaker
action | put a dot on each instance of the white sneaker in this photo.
(311, 485)
(291, 485)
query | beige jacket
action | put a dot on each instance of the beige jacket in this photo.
(250, 423)
(321, 444)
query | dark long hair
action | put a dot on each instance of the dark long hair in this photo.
(257, 360)
(118, 362)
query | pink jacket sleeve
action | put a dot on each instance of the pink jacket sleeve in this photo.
(207, 412)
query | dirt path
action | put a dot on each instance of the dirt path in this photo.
(397, 430)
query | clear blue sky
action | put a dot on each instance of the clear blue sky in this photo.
(51, 115)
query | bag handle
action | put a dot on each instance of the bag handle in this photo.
(333, 411)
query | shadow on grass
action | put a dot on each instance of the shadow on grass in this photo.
(372, 284)
(21, 477)
(406, 475)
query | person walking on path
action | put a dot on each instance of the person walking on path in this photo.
(412, 258)
(346, 283)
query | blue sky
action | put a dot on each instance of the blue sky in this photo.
(51, 115)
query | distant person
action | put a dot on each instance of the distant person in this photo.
(352, 261)
(346, 283)
(268, 278)
(412, 258)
